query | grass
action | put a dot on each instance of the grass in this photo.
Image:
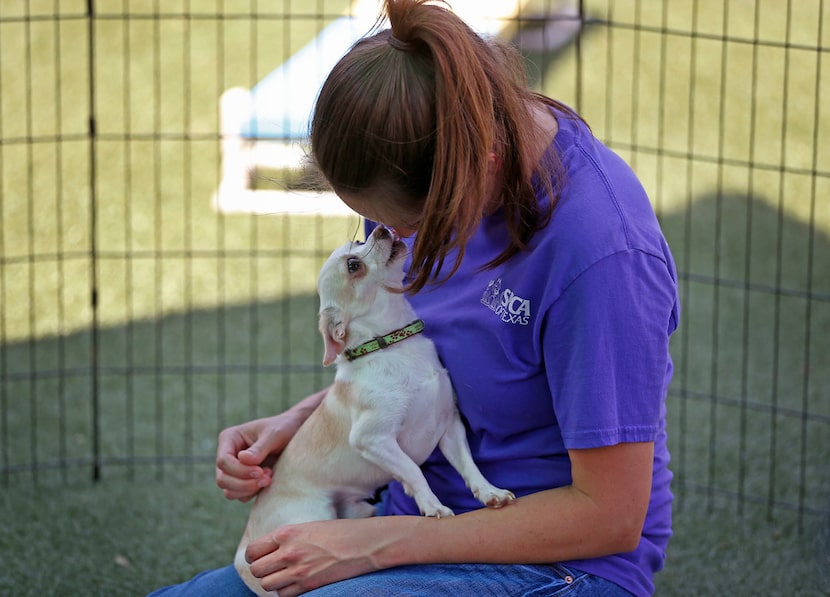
(126, 539)
(203, 320)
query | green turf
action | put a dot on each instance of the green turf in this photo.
(204, 320)
(118, 539)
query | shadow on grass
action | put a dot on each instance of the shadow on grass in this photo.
(164, 390)
(749, 418)
(748, 421)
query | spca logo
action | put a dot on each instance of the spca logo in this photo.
(509, 306)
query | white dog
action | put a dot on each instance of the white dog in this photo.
(390, 406)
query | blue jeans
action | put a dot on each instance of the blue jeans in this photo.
(437, 580)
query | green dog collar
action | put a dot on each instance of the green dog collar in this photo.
(381, 342)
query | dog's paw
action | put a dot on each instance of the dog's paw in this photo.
(431, 507)
(494, 497)
(440, 511)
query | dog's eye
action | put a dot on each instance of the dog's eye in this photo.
(353, 264)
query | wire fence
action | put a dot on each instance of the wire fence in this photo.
(142, 313)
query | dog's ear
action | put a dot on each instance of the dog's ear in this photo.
(333, 329)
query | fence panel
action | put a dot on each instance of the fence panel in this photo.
(141, 313)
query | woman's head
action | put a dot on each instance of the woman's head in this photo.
(412, 120)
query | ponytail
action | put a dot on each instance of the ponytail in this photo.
(424, 107)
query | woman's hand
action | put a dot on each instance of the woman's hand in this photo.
(247, 452)
(298, 558)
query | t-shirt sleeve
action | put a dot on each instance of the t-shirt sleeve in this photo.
(606, 350)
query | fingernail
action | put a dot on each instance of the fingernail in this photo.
(264, 482)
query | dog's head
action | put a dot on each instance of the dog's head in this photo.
(360, 285)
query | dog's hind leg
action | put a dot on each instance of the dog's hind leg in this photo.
(456, 450)
(244, 571)
(272, 510)
(355, 508)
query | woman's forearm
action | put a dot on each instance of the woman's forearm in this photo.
(551, 526)
(308, 405)
(602, 513)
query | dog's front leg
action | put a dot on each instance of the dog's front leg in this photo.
(456, 450)
(371, 438)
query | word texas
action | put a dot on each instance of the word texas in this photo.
(509, 306)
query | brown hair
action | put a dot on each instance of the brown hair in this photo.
(420, 108)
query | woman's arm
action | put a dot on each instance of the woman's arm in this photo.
(601, 513)
(246, 451)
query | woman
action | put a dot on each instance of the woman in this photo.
(540, 270)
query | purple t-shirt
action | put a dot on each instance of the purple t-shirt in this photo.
(565, 346)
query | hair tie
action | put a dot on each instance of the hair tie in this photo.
(399, 44)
